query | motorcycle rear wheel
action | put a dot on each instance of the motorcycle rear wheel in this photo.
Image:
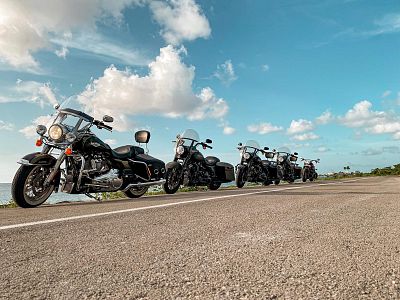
(136, 192)
(28, 186)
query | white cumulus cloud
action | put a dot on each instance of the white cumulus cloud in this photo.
(264, 128)
(305, 136)
(376, 122)
(325, 118)
(166, 90)
(180, 20)
(30, 130)
(301, 125)
(228, 130)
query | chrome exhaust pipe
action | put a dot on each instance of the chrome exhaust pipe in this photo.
(143, 184)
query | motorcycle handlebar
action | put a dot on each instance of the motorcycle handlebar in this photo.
(205, 145)
(101, 125)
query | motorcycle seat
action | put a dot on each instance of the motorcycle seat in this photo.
(127, 151)
(211, 160)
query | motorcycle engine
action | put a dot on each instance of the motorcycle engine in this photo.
(96, 165)
(195, 174)
(110, 179)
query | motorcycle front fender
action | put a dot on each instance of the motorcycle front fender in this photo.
(37, 159)
(173, 164)
(240, 167)
(43, 159)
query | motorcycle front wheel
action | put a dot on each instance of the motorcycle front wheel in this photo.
(240, 177)
(136, 192)
(173, 180)
(28, 188)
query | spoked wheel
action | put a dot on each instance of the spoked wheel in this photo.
(173, 180)
(214, 186)
(136, 192)
(304, 175)
(28, 188)
(276, 182)
(241, 177)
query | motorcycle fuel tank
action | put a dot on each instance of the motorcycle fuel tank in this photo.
(198, 156)
(93, 143)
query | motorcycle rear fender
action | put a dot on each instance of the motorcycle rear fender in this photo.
(173, 164)
(37, 159)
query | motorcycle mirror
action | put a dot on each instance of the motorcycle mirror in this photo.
(266, 148)
(208, 141)
(56, 106)
(240, 144)
(108, 119)
(295, 153)
(178, 136)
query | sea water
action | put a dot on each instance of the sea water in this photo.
(5, 195)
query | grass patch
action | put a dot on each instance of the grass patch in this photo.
(9, 204)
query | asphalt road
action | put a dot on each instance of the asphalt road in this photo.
(302, 241)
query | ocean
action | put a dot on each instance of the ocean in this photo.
(5, 195)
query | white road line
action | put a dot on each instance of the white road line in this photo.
(163, 205)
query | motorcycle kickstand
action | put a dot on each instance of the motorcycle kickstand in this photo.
(97, 198)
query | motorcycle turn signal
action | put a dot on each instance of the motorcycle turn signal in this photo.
(68, 151)
(39, 142)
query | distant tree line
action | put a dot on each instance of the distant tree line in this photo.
(393, 170)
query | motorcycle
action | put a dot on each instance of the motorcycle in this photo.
(75, 161)
(191, 168)
(287, 168)
(252, 168)
(309, 171)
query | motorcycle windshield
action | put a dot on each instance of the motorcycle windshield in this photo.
(188, 136)
(68, 120)
(283, 151)
(252, 144)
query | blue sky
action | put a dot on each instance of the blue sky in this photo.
(321, 77)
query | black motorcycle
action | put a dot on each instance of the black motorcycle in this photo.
(309, 171)
(252, 168)
(75, 161)
(191, 168)
(287, 168)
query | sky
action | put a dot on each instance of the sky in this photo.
(319, 77)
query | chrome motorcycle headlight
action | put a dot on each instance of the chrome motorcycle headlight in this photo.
(180, 150)
(70, 137)
(281, 159)
(246, 155)
(55, 132)
(41, 129)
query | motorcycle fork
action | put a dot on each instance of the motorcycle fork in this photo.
(53, 173)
